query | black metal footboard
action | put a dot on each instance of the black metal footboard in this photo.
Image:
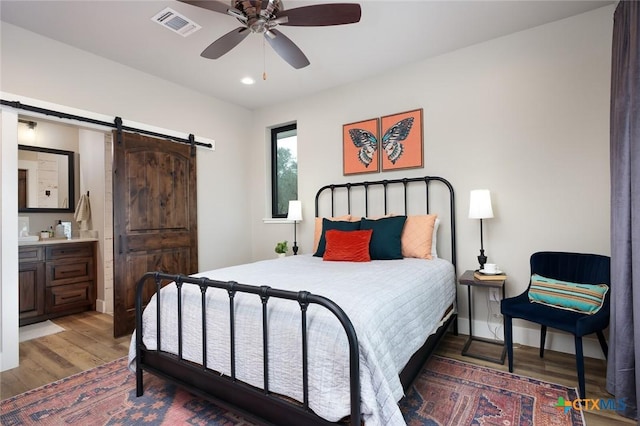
(227, 390)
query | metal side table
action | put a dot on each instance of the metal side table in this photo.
(470, 281)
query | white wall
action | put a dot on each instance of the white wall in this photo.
(526, 116)
(77, 79)
(8, 243)
(39, 68)
(93, 157)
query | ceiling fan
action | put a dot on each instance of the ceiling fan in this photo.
(262, 16)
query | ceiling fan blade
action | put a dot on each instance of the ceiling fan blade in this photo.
(225, 43)
(216, 6)
(320, 15)
(286, 49)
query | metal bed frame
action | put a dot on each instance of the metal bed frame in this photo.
(261, 405)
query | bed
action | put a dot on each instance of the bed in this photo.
(304, 339)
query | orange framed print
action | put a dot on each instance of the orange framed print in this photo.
(401, 143)
(360, 147)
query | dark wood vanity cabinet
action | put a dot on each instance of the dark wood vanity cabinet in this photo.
(31, 284)
(56, 279)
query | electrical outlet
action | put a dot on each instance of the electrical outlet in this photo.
(494, 295)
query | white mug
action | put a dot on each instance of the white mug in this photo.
(490, 267)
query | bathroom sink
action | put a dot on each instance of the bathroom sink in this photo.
(30, 238)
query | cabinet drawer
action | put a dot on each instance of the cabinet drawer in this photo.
(63, 251)
(69, 271)
(30, 254)
(64, 297)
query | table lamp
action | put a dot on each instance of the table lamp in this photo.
(480, 208)
(295, 214)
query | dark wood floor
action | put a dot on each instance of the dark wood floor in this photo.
(87, 342)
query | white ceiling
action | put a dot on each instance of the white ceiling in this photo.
(390, 34)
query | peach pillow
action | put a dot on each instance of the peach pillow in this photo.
(417, 235)
(318, 230)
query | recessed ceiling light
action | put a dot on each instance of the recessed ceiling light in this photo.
(248, 81)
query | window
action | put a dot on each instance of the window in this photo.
(284, 168)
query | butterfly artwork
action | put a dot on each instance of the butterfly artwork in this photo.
(360, 147)
(400, 145)
(401, 140)
(367, 143)
(393, 137)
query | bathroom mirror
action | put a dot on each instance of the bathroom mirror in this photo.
(45, 180)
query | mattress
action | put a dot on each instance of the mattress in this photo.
(394, 305)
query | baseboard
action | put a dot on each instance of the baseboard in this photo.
(104, 307)
(556, 340)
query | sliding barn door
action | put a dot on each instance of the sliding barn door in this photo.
(154, 212)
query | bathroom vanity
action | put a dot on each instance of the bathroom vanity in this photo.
(56, 278)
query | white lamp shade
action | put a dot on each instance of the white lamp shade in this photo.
(295, 210)
(480, 204)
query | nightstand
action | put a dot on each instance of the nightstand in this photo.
(468, 279)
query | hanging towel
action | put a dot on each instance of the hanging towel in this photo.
(83, 212)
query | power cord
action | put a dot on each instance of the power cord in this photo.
(494, 328)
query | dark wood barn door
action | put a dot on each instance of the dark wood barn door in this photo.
(154, 213)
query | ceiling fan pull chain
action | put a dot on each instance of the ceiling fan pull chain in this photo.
(264, 60)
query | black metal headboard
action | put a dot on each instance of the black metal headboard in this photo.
(344, 193)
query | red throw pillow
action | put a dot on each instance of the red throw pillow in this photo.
(348, 246)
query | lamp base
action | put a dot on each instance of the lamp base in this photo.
(482, 259)
(295, 243)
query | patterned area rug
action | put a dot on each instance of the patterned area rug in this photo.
(448, 392)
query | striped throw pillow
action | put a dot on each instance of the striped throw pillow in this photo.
(583, 298)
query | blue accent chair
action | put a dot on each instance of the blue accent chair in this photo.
(573, 267)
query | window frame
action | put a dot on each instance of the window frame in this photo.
(275, 131)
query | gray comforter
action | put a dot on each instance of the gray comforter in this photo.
(394, 306)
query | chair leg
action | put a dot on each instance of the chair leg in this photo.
(603, 343)
(543, 338)
(508, 340)
(580, 366)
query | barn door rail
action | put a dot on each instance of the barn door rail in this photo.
(116, 124)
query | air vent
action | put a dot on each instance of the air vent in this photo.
(176, 22)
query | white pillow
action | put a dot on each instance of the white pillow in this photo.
(434, 238)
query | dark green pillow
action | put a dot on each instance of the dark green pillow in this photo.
(340, 225)
(386, 241)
